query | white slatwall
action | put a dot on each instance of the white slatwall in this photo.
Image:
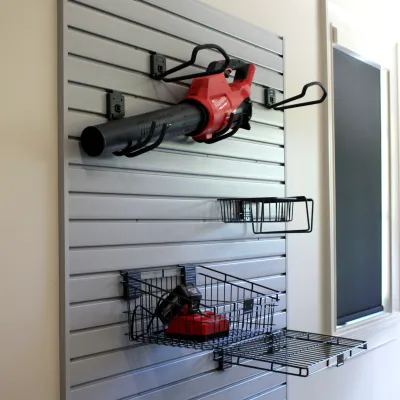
(159, 209)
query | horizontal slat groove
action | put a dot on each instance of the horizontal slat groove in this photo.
(144, 74)
(135, 360)
(182, 151)
(92, 98)
(257, 92)
(97, 96)
(275, 393)
(180, 162)
(237, 383)
(123, 233)
(166, 9)
(128, 257)
(236, 267)
(109, 288)
(156, 104)
(168, 244)
(98, 49)
(128, 33)
(99, 167)
(165, 363)
(248, 388)
(92, 341)
(221, 22)
(271, 61)
(247, 385)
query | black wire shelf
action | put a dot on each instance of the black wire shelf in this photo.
(262, 211)
(291, 352)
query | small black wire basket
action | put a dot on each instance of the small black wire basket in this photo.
(264, 210)
(196, 307)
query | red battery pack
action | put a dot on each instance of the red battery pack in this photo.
(199, 327)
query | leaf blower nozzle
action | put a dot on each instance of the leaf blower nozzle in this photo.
(187, 118)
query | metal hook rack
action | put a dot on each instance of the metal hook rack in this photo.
(158, 63)
(270, 97)
(142, 146)
(224, 134)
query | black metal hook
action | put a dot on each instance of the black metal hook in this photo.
(270, 98)
(221, 135)
(152, 146)
(155, 59)
(141, 147)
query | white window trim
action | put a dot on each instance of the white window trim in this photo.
(385, 55)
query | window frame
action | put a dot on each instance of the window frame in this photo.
(385, 55)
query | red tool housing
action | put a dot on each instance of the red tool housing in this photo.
(220, 98)
(199, 326)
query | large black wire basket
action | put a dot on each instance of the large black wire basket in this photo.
(262, 211)
(196, 307)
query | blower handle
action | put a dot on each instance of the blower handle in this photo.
(241, 67)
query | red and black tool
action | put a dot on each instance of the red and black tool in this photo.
(213, 110)
(181, 314)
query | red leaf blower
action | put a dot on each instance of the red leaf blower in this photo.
(212, 111)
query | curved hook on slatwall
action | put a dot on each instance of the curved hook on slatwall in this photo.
(269, 94)
(159, 72)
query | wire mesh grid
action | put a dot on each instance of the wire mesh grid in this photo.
(291, 352)
(264, 210)
(196, 307)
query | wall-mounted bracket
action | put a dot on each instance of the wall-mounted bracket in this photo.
(131, 284)
(115, 105)
(158, 64)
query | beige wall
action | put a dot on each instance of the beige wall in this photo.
(28, 201)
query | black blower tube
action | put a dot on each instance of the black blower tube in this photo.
(187, 118)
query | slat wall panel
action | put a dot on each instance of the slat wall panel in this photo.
(105, 259)
(98, 49)
(89, 369)
(124, 31)
(198, 164)
(164, 375)
(183, 390)
(222, 22)
(108, 312)
(105, 286)
(114, 207)
(160, 209)
(104, 76)
(274, 394)
(99, 233)
(96, 180)
(103, 339)
(176, 26)
(254, 386)
(89, 99)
